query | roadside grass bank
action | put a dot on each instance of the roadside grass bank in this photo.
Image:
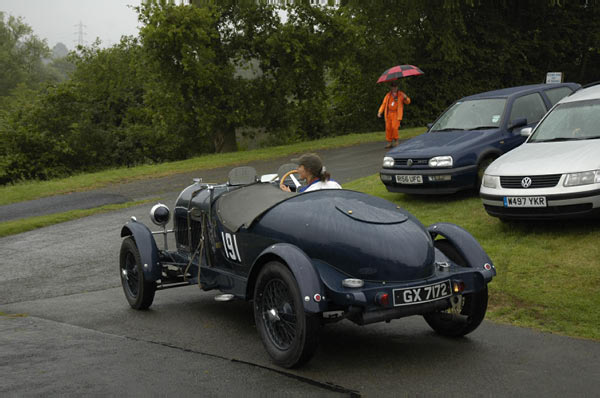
(14, 227)
(548, 272)
(84, 182)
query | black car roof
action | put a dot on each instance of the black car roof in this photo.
(508, 92)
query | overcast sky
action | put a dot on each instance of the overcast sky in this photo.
(58, 20)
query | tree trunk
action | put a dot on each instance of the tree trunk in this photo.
(225, 140)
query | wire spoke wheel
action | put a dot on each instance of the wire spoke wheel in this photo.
(130, 273)
(289, 335)
(138, 292)
(278, 314)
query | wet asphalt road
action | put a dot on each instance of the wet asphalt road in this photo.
(66, 328)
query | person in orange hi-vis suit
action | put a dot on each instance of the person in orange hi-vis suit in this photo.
(393, 108)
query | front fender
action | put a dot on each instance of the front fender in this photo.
(147, 248)
(488, 152)
(467, 246)
(304, 272)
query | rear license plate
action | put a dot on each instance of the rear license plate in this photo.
(409, 179)
(524, 201)
(422, 294)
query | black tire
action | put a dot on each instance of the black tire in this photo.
(481, 171)
(289, 335)
(138, 292)
(473, 306)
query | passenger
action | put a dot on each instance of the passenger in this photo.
(311, 169)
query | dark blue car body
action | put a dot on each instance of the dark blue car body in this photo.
(308, 259)
(471, 150)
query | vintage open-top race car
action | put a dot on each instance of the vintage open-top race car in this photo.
(308, 259)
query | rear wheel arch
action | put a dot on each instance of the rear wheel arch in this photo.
(257, 267)
(300, 265)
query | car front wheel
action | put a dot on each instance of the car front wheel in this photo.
(289, 335)
(467, 311)
(138, 291)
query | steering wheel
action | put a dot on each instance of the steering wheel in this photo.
(286, 175)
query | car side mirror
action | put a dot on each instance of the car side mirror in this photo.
(518, 123)
(526, 132)
(429, 125)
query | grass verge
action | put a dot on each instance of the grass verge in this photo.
(27, 224)
(548, 272)
(84, 182)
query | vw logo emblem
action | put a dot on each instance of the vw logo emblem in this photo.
(526, 182)
(409, 162)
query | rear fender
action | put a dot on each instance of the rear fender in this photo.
(304, 272)
(147, 248)
(467, 246)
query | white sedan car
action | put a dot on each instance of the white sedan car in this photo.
(556, 172)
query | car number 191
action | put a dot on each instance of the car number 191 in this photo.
(422, 294)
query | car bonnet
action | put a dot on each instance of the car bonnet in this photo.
(548, 158)
(440, 143)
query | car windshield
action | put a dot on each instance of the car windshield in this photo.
(569, 122)
(472, 115)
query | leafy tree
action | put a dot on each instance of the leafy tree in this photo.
(59, 51)
(95, 120)
(196, 75)
(192, 90)
(60, 69)
(21, 55)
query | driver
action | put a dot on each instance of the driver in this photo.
(310, 168)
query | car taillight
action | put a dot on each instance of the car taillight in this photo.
(458, 286)
(383, 299)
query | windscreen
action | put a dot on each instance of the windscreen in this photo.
(569, 122)
(472, 115)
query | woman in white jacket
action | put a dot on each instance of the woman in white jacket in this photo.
(311, 169)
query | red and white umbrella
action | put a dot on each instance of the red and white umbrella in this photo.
(399, 71)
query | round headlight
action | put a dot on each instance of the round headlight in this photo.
(388, 161)
(160, 214)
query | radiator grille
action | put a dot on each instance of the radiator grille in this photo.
(181, 232)
(415, 162)
(543, 181)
